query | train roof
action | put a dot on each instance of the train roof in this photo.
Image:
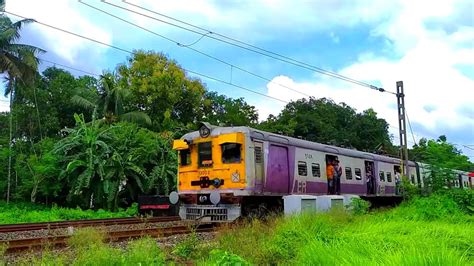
(281, 139)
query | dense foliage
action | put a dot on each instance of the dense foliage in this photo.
(442, 157)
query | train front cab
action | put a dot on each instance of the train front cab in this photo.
(211, 173)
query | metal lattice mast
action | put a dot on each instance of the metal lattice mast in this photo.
(402, 127)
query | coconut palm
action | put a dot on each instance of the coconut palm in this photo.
(110, 103)
(19, 64)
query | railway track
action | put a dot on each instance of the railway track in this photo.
(82, 223)
(19, 245)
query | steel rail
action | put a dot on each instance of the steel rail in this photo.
(19, 245)
(83, 223)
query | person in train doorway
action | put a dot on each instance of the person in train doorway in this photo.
(397, 182)
(337, 177)
(368, 179)
(330, 176)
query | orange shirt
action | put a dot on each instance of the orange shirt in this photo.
(330, 171)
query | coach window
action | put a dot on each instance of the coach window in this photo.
(302, 168)
(205, 154)
(348, 173)
(382, 176)
(413, 179)
(231, 152)
(185, 157)
(358, 173)
(389, 177)
(316, 169)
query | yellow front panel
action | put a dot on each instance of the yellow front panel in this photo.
(226, 171)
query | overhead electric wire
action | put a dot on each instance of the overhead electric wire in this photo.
(72, 68)
(193, 49)
(409, 126)
(132, 53)
(246, 46)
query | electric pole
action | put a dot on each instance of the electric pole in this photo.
(402, 126)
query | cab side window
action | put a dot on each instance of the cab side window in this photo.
(185, 157)
(231, 152)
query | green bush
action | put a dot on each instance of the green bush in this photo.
(185, 248)
(463, 197)
(359, 206)
(224, 258)
(144, 251)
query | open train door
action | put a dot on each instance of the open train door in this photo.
(370, 177)
(278, 174)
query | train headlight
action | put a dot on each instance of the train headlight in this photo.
(204, 131)
(215, 197)
(174, 197)
(202, 199)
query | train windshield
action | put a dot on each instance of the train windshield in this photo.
(231, 152)
(205, 154)
(185, 157)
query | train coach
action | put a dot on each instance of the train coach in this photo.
(226, 172)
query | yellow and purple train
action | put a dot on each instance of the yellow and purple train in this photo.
(225, 172)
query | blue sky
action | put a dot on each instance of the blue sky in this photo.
(427, 44)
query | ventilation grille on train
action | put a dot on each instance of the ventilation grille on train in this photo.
(258, 154)
(216, 214)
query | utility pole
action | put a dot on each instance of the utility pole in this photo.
(402, 127)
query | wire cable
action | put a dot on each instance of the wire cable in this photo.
(72, 68)
(409, 126)
(194, 49)
(133, 53)
(246, 46)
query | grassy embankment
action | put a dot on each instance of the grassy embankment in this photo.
(438, 230)
(30, 213)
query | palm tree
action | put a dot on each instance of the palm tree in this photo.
(19, 63)
(110, 102)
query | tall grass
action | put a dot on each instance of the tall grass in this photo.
(426, 231)
(29, 213)
(87, 247)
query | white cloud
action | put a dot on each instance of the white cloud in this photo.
(427, 63)
(4, 105)
(65, 15)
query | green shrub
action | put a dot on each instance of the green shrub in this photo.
(359, 206)
(144, 251)
(185, 248)
(463, 197)
(224, 258)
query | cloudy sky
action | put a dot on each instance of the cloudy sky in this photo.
(429, 45)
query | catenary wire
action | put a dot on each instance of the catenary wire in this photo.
(194, 49)
(260, 51)
(72, 68)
